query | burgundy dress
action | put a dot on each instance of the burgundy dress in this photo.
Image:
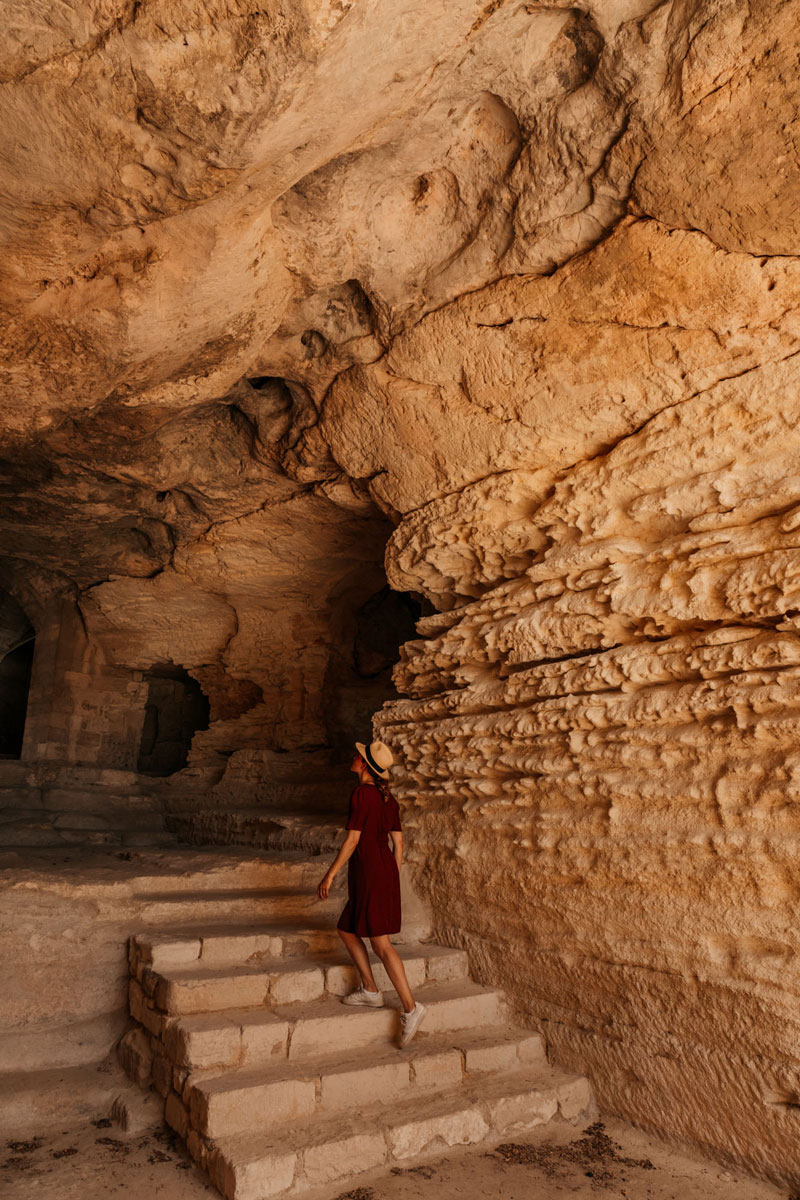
(373, 880)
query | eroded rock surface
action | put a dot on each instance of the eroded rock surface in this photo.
(510, 292)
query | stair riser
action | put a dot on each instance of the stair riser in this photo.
(237, 991)
(269, 908)
(316, 1036)
(277, 1103)
(239, 1110)
(228, 1045)
(342, 979)
(253, 1044)
(229, 951)
(86, 821)
(174, 998)
(240, 949)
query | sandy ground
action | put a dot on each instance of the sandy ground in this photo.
(561, 1163)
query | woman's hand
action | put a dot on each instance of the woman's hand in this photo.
(325, 886)
(348, 846)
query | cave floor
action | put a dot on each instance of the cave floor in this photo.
(613, 1160)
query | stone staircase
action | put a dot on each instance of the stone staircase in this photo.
(279, 1089)
(293, 802)
(266, 829)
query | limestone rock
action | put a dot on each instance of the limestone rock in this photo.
(501, 303)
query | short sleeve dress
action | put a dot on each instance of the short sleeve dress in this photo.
(373, 880)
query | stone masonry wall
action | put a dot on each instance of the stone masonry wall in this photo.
(80, 709)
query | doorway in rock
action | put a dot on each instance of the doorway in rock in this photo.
(15, 682)
(368, 635)
(176, 709)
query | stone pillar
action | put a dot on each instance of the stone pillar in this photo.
(80, 710)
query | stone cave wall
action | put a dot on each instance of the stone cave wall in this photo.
(511, 291)
(601, 771)
(599, 747)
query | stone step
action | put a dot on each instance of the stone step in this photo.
(257, 904)
(230, 870)
(46, 829)
(332, 1150)
(314, 832)
(218, 989)
(252, 1036)
(19, 773)
(45, 1101)
(82, 808)
(69, 1040)
(227, 945)
(249, 1100)
(321, 793)
(80, 799)
(113, 819)
(18, 812)
(278, 980)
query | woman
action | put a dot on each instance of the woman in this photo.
(373, 884)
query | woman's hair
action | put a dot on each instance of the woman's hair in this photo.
(381, 784)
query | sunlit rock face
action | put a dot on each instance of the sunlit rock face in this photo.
(510, 293)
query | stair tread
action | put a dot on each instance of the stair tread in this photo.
(229, 867)
(362, 1119)
(210, 931)
(424, 1045)
(330, 1006)
(275, 816)
(223, 861)
(273, 965)
(286, 927)
(267, 892)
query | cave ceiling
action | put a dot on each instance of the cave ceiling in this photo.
(325, 265)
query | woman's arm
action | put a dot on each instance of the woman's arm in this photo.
(348, 847)
(397, 847)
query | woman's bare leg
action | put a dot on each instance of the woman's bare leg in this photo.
(394, 969)
(358, 952)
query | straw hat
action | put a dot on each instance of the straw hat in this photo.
(377, 756)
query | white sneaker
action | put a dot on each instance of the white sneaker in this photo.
(411, 1023)
(362, 996)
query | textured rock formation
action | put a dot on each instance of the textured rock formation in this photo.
(603, 764)
(512, 292)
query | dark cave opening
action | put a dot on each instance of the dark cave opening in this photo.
(366, 645)
(15, 682)
(175, 710)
